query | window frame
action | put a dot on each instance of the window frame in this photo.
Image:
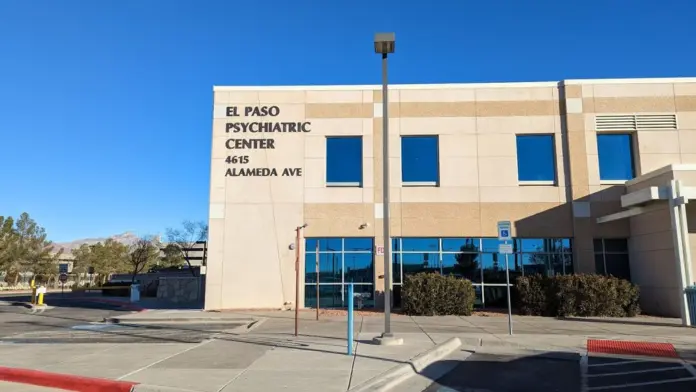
(632, 139)
(397, 248)
(344, 184)
(436, 182)
(603, 251)
(554, 160)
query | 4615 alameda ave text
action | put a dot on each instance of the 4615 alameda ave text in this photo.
(265, 126)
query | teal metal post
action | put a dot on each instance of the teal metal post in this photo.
(350, 318)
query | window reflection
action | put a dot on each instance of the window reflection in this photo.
(489, 244)
(493, 265)
(478, 260)
(536, 158)
(357, 244)
(615, 155)
(611, 257)
(358, 267)
(420, 244)
(466, 265)
(396, 268)
(460, 244)
(413, 263)
(419, 159)
(325, 244)
(535, 263)
(341, 261)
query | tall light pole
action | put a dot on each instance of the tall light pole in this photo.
(384, 45)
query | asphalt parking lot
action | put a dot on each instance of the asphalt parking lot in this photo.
(79, 320)
(17, 319)
(638, 374)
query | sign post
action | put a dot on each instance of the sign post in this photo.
(505, 235)
(316, 258)
(63, 277)
(90, 271)
(350, 318)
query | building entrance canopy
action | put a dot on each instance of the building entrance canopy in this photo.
(669, 188)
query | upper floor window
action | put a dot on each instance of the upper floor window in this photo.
(344, 161)
(420, 161)
(536, 162)
(611, 257)
(615, 156)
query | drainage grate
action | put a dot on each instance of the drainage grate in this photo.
(649, 349)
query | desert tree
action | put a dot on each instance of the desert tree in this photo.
(144, 252)
(186, 238)
(106, 258)
(172, 256)
(8, 249)
(29, 250)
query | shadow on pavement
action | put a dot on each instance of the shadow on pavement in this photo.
(560, 372)
(552, 371)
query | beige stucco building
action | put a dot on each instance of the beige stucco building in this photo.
(582, 168)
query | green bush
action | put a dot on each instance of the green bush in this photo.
(577, 295)
(532, 295)
(430, 294)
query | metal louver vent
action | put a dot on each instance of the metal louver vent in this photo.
(635, 122)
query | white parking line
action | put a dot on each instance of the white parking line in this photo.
(583, 372)
(640, 384)
(636, 371)
(690, 368)
(585, 376)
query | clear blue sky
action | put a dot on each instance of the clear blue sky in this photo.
(105, 106)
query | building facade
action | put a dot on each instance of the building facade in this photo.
(583, 169)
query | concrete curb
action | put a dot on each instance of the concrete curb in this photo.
(63, 381)
(398, 374)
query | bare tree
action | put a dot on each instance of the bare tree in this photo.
(186, 238)
(142, 253)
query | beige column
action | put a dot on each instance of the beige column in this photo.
(574, 129)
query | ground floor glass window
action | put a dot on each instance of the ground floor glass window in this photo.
(611, 257)
(334, 262)
(478, 260)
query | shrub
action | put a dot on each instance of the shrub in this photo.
(532, 295)
(577, 295)
(430, 294)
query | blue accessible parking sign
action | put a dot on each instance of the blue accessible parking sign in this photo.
(504, 231)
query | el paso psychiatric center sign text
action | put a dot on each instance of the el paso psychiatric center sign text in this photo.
(242, 141)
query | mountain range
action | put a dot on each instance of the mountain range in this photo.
(127, 238)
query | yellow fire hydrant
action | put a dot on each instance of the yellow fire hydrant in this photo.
(33, 291)
(40, 299)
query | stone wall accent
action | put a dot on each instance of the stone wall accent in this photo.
(179, 289)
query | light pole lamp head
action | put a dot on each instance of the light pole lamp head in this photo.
(384, 43)
(304, 226)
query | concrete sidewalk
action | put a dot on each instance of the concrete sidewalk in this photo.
(267, 356)
(542, 333)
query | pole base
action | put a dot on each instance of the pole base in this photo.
(387, 339)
